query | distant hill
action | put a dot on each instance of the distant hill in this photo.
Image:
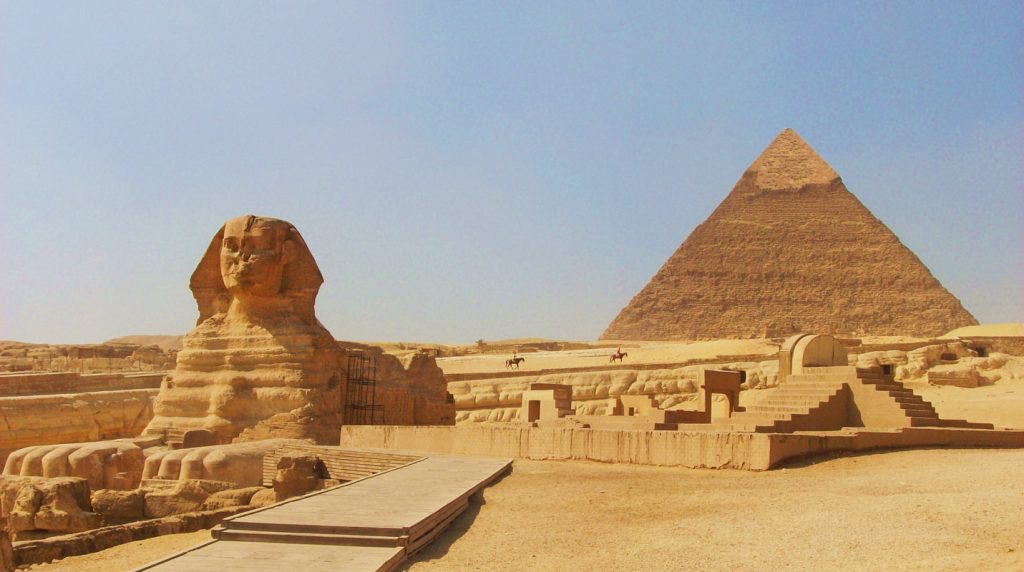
(165, 343)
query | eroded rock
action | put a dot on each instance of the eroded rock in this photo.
(41, 504)
(185, 496)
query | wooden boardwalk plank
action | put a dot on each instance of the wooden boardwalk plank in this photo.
(421, 499)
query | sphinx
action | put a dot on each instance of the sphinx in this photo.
(257, 369)
(258, 364)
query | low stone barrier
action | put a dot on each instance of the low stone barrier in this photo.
(57, 547)
(692, 449)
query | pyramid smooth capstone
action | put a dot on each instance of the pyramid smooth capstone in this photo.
(790, 249)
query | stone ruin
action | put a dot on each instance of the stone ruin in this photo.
(259, 374)
(790, 249)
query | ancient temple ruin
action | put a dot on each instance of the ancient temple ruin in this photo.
(790, 249)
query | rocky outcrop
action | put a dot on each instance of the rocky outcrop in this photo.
(412, 388)
(229, 498)
(118, 507)
(789, 249)
(297, 476)
(184, 496)
(40, 551)
(33, 504)
(107, 357)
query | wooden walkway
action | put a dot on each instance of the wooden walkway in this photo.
(367, 525)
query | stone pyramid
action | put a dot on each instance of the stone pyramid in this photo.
(789, 249)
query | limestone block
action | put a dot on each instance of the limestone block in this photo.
(263, 498)
(231, 497)
(119, 505)
(297, 476)
(58, 504)
(185, 496)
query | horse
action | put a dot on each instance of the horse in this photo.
(618, 355)
(514, 362)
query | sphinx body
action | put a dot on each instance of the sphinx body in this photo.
(258, 364)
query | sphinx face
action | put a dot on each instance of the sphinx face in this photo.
(253, 256)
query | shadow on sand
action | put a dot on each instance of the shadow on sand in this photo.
(440, 545)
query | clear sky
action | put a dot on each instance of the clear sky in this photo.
(467, 170)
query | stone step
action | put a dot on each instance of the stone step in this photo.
(910, 399)
(804, 403)
(901, 393)
(922, 406)
(307, 538)
(920, 413)
(759, 418)
(786, 409)
(312, 528)
(951, 423)
(813, 383)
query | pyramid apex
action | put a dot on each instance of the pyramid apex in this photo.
(789, 163)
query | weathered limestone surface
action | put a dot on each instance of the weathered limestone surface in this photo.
(238, 463)
(45, 550)
(185, 496)
(71, 418)
(413, 391)
(258, 360)
(499, 399)
(789, 249)
(60, 382)
(669, 448)
(41, 504)
(113, 464)
(107, 357)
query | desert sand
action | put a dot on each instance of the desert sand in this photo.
(907, 510)
(639, 352)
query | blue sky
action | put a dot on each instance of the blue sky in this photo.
(480, 170)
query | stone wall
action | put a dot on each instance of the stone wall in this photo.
(45, 383)
(719, 450)
(107, 357)
(72, 418)
(499, 399)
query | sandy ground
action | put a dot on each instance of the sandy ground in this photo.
(1001, 404)
(638, 352)
(908, 510)
(934, 509)
(127, 556)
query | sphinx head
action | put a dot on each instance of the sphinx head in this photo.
(253, 260)
(253, 255)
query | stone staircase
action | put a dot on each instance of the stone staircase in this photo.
(920, 413)
(799, 405)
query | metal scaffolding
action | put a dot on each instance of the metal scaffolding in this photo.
(361, 391)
